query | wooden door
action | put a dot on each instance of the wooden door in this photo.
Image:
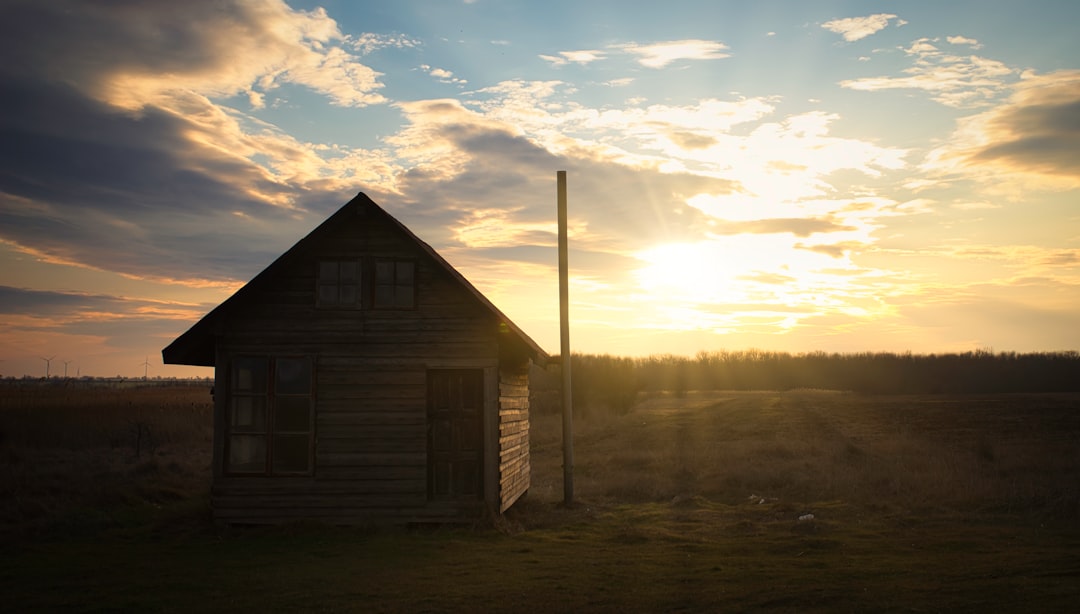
(455, 401)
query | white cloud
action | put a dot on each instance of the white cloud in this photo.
(368, 42)
(659, 55)
(856, 28)
(443, 75)
(953, 80)
(584, 56)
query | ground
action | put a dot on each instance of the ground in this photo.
(795, 501)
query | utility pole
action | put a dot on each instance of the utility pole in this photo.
(564, 349)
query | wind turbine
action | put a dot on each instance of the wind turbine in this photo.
(146, 367)
(66, 363)
(48, 364)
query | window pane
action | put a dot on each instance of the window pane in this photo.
(249, 374)
(405, 272)
(291, 453)
(248, 414)
(328, 271)
(292, 413)
(349, 271)
(404, 297)
(349, 295)
(384, 272)
(293, 376)
(384, 296)
(247, 453)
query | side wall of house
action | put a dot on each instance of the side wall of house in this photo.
(514, 468)
(370, 386)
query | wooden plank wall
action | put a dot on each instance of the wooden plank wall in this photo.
(371, 387)
(514, 470)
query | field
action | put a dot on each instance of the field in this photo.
(787, 502)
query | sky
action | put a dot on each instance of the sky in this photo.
(838, 176)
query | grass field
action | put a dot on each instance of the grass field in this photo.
(785, 502)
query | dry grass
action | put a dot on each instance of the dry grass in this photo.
(918, 503)
(82, 457)
(973, 452)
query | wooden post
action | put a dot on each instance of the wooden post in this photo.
(564, 350)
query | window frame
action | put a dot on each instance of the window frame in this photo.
(395, 286)
(339, 282)
(271, 436)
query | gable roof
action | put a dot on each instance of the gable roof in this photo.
(196, 346)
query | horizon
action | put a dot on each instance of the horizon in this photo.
(792, 178)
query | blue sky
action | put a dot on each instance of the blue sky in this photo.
(837, 176)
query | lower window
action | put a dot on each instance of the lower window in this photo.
(270, 417)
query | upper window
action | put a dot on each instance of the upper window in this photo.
(395, 284)
(270, 416)
(339, 284)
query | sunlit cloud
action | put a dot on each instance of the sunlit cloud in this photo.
(857, 28)
(659, 55)
(1030, 141)
(227, 48)
(963, 40)
(497, 228)
(953, 80)
(442, 75)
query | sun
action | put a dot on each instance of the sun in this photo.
(714, 271)
(740, 282)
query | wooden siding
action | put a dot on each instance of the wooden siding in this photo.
(370, 389)
(514, 468)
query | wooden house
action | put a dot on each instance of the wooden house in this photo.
(361, 379)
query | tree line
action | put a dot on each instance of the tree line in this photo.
(614, 382)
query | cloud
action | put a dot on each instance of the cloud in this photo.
(163, 183)
(1032, 140)
(77, 325)
(659, 55)
(154, 49)
(87, 305)
(653, 55)
(443, 75)
(857, 28)
(369, 42)
(153, 195)
(459, 158)
(963, 40)
(584, 56)
(954, 81)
